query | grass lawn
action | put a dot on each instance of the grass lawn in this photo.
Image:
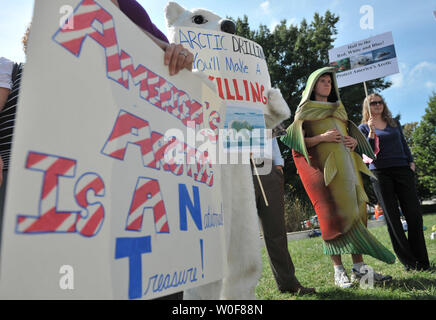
(314, 269)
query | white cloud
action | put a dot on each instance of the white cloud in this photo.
(398, 79)
(421, 69)
(421, 73)
(292, 21)
(273, 24)
(335, 4)
(431, 85)
(265, 6)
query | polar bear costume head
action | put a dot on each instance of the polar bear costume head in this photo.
(176, 15)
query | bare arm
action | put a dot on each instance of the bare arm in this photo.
(176, 57)
(371, 126)
(331, 135)
(4, 93)
(313, 141)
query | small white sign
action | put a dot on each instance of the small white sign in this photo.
(364, 60)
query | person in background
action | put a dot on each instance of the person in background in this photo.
(378, 211)
(176, 57)
(395, 172)
(10, 79)
(272, 218)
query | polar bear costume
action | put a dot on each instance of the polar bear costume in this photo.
(244, 263)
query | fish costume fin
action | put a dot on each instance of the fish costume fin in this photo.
(361, 194)
(294, 138)
(330, 169)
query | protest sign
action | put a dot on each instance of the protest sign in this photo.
(238, 68)
(364, 60)
(96, 207)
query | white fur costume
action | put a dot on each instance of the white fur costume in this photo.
(240, 214)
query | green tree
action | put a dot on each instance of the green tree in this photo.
(292, 53)
(408, 130)
(424, 150)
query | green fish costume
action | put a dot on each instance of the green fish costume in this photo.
(330, 173)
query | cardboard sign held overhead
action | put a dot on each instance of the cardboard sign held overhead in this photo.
(238, 68)
(364, 60)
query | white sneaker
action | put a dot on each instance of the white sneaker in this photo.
(341, 279)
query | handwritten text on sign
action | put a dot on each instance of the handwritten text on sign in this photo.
(236, 64)
(112, 182)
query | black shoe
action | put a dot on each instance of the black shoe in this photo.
(418, 268)
(300, 290)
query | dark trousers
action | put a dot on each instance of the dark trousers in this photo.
(274, 231)
(397, 184)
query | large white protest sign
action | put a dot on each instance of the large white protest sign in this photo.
(96, 208)
(364, 60)
(238, 68)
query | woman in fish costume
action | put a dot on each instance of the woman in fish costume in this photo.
(326, 148)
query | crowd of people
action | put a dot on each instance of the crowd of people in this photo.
(326, 150)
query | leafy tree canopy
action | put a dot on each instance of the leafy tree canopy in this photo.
(292, 53)
(424, 150)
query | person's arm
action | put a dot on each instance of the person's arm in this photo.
(370, 135)
(4, 93)
(176, 57)
(406, 148)
(277, 158)
(6, 67)
(331, 135)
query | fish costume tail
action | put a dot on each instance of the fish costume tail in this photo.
(358, 240)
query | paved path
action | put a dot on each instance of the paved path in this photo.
(305, 234)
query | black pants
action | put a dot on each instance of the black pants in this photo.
(397, 184)
(274, 230)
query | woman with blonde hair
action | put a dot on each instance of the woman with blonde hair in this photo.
(394, 169)
(386, 114)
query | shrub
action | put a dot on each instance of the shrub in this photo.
(296, 211)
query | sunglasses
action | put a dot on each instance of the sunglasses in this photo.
(373, 103)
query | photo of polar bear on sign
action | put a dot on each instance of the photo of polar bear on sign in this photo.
(243, 246)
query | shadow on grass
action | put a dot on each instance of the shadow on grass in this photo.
(415, 283)
(413, 288)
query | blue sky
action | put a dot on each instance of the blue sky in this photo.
(412, 23)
